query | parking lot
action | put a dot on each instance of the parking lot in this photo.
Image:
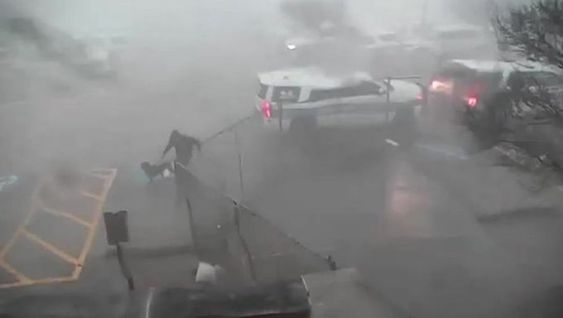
(421, 223)
(57, 231)
(444, 227)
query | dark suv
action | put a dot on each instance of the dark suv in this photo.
(480, 93)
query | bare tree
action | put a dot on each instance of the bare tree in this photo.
(534, 29)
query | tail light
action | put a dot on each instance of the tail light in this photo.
(419, 97)
(472, 96)
(266, 108)
(472, 101)
(422, 95)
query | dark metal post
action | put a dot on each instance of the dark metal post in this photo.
(239, 158)
(280, 116)
(125, 268)
(249, 260)
(192, 225)
(387, 98)
(116, 233)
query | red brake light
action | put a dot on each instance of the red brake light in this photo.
(472, 97)
(266, 107)
(419, 96)
(472, 101)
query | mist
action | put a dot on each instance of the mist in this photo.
(360, 195)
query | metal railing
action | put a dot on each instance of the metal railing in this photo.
(224, 230)
(233, 166)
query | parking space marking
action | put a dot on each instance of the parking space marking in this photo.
(92, 233)
(19, 276)
(67, 215)
(50, 247)
(42, 281)
(27, 219)
(91, 195)
(38, 206)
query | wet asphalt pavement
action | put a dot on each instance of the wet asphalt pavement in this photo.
(442, 228)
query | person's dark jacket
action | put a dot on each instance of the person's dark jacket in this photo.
(183, 145)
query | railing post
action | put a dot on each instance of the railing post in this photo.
(193, 235)
(246, 250)
(387, 98)
(239, 159)
(124, 267)
(280, 116)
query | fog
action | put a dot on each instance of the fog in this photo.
(192, 66)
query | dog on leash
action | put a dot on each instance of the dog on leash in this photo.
(153, 171)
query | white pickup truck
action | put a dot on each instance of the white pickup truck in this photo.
(304, 98)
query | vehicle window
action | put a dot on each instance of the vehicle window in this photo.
(262, 90)
(322, 94)
(286, 94)
(362, 89)
(457, 73)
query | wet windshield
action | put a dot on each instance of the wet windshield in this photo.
(281, 158)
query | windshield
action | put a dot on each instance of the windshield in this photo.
(281, 158)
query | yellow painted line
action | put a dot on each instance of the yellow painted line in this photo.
(67, 215)
(19, 276)
(51, 280)
(42, 281)
(50, 247)
(108, 177)
(32, 210)
(92, 233)
(10, 243)
(91, 195)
